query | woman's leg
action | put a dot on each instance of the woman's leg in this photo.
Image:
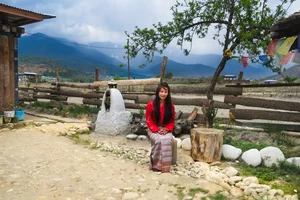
(161, 151)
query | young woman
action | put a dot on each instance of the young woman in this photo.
(160, 117)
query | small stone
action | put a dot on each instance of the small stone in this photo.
(130, 195)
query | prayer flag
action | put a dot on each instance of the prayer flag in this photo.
(245, 61)
(286, 58)
(278, 57)
(285, 47)
(272, 46)
(296, 57)
(263, 58)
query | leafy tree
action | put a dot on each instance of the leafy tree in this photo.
(241, 26)
(290, 79)
(167, 75)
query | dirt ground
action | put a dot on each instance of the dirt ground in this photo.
(41, 165)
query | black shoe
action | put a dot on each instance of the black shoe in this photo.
(155, 170)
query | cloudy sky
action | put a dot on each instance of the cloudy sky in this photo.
(87, 21)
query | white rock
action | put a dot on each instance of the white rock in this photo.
(230, 152)
(294, 160)
(234, 179)
(142, 137)
(271, 155)
(186, 144)
(252, 157)
(249, 180)
(236, 192)
(132, 136)
(178, 142)
(231, 171)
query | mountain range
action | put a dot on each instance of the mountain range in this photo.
(108, 56)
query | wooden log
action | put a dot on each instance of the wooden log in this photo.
(206, 144)
(144, 99)
(57, 98)
(26, 99)
(288, 127)
(86, 86)
(26, 89)
(197, 90)
(150, 81)
(193, 114)
(264, 85)
(71, 93)
(264, 114)
(99, 103)
(263, 103)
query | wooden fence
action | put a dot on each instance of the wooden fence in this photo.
(253, 108)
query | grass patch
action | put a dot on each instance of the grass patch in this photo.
(218, 196)
(180, 193)
(77, 110)
(86, 132)
(245, 146)
(194, 191)
(285, 177)
(281, 138)
(45, 105)
(272, 128)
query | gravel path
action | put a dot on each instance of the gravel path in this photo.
(37, 164)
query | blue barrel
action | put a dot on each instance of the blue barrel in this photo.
(20, 114)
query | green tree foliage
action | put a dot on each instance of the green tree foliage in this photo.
(290, 79)
(167, 75)
(239, 26)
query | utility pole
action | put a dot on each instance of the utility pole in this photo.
(128, 63)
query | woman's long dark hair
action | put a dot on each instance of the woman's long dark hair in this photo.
(168, 104)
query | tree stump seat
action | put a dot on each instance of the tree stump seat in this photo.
(206, 144)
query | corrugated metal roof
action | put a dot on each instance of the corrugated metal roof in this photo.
(44, 15)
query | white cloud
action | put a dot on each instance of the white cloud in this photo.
(86, 21)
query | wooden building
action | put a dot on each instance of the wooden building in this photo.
(11, 21)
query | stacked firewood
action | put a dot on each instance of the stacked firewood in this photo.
(183, 123)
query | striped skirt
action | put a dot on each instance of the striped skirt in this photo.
(161, 151)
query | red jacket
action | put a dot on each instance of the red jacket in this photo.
(150, 120)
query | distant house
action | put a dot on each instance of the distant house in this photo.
(29, 76)
(228, 77)
(269, 82)
(11, 20)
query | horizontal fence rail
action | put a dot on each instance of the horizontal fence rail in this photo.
(92, 94)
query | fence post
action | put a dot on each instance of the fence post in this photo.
(163, 68)
(240, 78)
(97, 79)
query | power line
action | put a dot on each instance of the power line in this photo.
(74, 43)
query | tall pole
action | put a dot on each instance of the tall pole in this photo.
(128, 63)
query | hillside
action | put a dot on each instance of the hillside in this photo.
(108, 56)
(293, 71)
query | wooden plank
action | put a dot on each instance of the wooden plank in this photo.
(263, 114)
(197, 90)
(264, 85)
(86, 86)
(150, 81)
(287, 127)
(263, 103)
(98, 102)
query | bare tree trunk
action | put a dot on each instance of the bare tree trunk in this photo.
(212, 86)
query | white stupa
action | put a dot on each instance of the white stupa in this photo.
(115, 120)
